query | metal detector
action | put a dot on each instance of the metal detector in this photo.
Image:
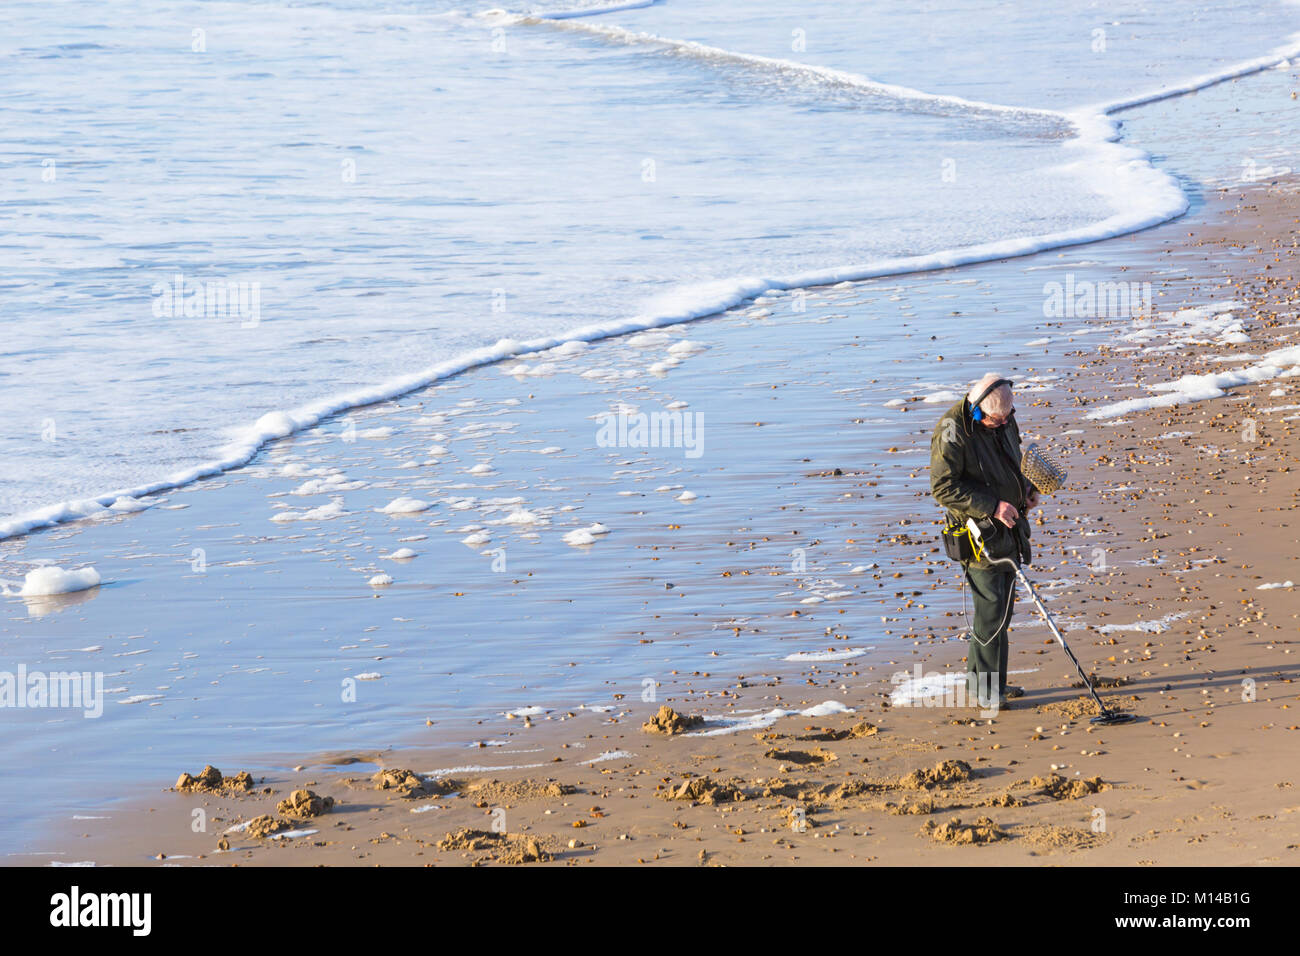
(1107, 716)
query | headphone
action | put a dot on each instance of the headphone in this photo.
(977, 413)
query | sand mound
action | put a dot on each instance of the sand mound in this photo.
(862, 729)
(815, 757)
(1003, 800)
(210, 780)
(941, 775)
(703, 790)
(957, 833)
(920, 806)
(411, 785)
(793, 789)
(840, 793)
(499, 847)
(1046, 837)
(1071, 709)
(1062, 788)
(303, 804)
(265, 825)
(852, 792)
(507, 793)
(669, 722)
(823, 795)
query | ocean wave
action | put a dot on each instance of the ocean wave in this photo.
(1142, 194)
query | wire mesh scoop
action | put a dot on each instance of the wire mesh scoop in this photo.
(1044, 471)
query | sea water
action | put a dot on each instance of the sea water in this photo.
(224, 221)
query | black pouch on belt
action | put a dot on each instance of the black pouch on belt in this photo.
(957, 542)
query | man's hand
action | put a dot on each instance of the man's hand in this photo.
(1007, 513)
(1033, 498)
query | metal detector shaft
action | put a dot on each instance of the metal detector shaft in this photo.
(1056, 633)
(1051, 624)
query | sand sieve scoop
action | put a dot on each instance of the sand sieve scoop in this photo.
(1042, 469)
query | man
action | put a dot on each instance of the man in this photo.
(975, 473)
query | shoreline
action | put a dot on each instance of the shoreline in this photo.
(1186, 596)
(1094, 128)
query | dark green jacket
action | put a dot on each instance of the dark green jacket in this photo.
(973, 467)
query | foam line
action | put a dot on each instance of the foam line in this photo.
(1123, 174)
(1266, 62)
(1279, 363)
(822, 75)
(590, 11)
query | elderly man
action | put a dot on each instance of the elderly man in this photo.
(975, 473)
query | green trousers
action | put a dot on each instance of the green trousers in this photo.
(993, 592)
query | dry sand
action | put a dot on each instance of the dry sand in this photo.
(1210, 774)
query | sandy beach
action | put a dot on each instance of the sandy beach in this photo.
(1168, 559)
(514, 449)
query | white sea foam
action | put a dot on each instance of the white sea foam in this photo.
(1158, 626)
(584, 536)
(835, 655)
(332, 510)
(331, 484)
(127, 505)
(646, 340)
(1279, 363)
(522, 516)
(915, 690)
(292, 834)
(477, 768)
(405, 506)
(609, 755)
(758, 721)
(527, 712)
(46, 581)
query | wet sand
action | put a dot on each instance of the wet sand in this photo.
(1173, 522)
